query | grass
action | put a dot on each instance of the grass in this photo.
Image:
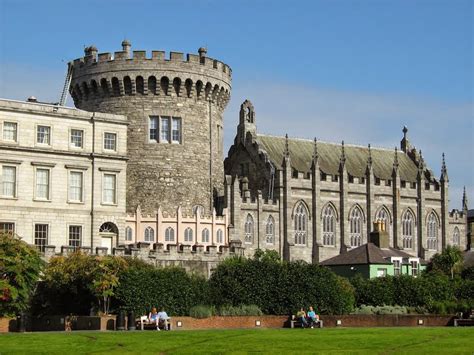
(331, 340)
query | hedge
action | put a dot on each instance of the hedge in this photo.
(279, 287)
(172, 288)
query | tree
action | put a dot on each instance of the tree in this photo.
(449, 261)
(20, 267)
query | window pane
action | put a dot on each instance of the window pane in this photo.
(41, 236)
(42, 183)
(176, 131)
(153, 128)
(9, 181)
(109, 188)
(165, 129)
(75, 236)
(9, 131)
(110, 141)
(43, 134)
(76, 138)
(6, 227)
(75, 186)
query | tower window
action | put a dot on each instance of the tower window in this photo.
(166, 129)
(153, 129)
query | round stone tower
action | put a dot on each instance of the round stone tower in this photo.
(175, 110)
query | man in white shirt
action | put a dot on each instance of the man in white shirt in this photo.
(163, 318)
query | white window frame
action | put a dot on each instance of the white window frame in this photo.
(9, 222)
(15, 187)
(149, 234)
(69, 235)
(301, 220)
(356, 222)
(116, 142)
(169, 234)
(381, 271)
(220, 236)
(188, 234)
(400, 261)
(128, 232)
(48, 234)
(270, 230)
(432, 232)
(16, 131)
(417, 269)
(50, 179)
(157, 129)
(205, 235)
(329, 234)
(408, 230)
(50, 141)
(115, 202)
(180, 130)
(70, 172)
(71, 144)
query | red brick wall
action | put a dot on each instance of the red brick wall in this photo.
(7, 324)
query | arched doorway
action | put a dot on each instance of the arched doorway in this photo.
(108, 233)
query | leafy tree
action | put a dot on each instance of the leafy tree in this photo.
(449, 261)
(20, 267)
(75, 283)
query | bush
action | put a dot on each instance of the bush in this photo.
(141, 288)
(278, 287)
(20, 267)
(380, 310)
(242, 310)
(202, 311)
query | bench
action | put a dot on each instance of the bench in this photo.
(144, 323)
(296, 323)
(464, 322)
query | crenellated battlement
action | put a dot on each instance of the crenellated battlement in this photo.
(133, 73)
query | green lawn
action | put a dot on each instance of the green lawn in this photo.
(331, 340)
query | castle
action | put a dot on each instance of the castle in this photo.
(140, 169)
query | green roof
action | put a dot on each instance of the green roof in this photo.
(301, 152)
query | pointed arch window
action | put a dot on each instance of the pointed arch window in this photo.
(383, 216)
(408, 227)
(355, 221)
(329, 226)
(188, 235)
(220, 236)
(149, 234)
(301, 224)
(205, 235)
(128, 234)
(248, 238)
(270, 230)
(456, 237)
(169, 234)
(432, 228)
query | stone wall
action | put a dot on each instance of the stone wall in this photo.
(187, 173)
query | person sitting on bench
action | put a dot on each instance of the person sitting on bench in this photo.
(163, 319)
(313, 318)
(301, 316)
(154, 318)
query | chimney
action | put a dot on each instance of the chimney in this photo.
(380, 236)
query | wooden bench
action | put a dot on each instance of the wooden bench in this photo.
(296, 323)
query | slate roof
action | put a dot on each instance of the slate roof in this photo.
(301, 152)
(366, 254)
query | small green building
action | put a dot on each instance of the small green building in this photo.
(375, 259)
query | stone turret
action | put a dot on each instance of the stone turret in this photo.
(175, 111)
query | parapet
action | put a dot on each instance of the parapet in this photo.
(123, 73)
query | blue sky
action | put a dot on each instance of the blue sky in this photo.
(356, 70)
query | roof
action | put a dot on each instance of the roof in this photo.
(301, 152)
(366, 254)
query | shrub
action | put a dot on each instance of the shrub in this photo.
(380, 310)
(20, 267)
(468, 273)
(202, 311)
(278, 287)
(242, 310)
(141, 288)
